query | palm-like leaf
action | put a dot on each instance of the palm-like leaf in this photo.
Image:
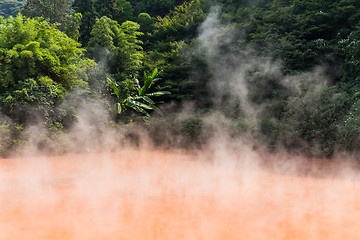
(142, 101)
(114, 87)
(137, 84)
(155, 80)
(148, 81)
(144, 98)
(139, 104)
(154, 73)
(118, 108)
(159, 93)
(135, 105)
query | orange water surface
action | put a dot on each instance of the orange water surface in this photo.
(166, 195)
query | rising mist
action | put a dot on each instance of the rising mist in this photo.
(189, 175)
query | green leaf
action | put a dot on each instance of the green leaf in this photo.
(109, 80)
(114, 87)
(147, 99)
(144, 98)
(157, 94)
(153, 75)
(137, 84)
(145, 77)
(155, 80)
(118, 108)
(133, 105)
(140, 104)
(147, 83)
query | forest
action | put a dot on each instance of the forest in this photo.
(283, 73)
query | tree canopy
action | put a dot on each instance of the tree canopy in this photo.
(261, 44)
(38, 65)
(11, 7)
(55, 11)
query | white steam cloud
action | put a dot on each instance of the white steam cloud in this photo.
(230, 68)
(227, 190)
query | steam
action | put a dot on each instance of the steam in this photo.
(114, 182)
(218, 194)
(246, 84)
(227, 69)
(241, 84)
(233, 69)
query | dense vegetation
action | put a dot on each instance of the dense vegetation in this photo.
(11, 7)
(284, 71)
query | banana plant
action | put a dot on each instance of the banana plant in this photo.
(141, 102)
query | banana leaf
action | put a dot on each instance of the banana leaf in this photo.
(114, 87)
(144, 98)
(157, 94)
(118, 108)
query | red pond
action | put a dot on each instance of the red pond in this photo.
(161, 195)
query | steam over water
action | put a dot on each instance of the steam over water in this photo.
(174, 195)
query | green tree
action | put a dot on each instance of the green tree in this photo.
(172, 35)
(118, 45)
(55, 11)
(301, 33)
(38, 65)
(118, 10)
(181, 23)
(146, 22)
(87, 9)
(91, 10)
(155, 7)
(107, 8)
(11, 7)
(313, 117)
(349, 138)
(72, 26)
(348, 49)
(126, 11)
